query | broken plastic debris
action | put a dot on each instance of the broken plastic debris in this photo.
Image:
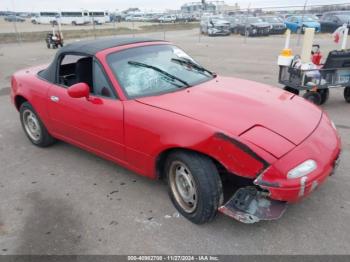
(248, 205)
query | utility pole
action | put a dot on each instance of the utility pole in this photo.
(18, 35)
(200, 18)
(301, 26)
(246, 24)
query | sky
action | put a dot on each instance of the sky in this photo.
(112, 5)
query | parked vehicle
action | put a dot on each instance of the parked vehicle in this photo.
(234, 23)
(115, 17)
(45, 18)
(299, 23)
(277, 25)
(185, 18)
(330, 21)
(253, 26)
(124, 99)
(99, 17)
(134, 18)
(14, 18)
(74, 17)
(167, 19)
(215, 26)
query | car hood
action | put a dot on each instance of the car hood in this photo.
(260, 24)
(220, 23)
(277, 24)
(311, 24)
(236, 105)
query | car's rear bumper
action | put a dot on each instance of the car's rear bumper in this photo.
(259, 31)
(322, 146)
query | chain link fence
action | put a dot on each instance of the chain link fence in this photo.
(17, 30)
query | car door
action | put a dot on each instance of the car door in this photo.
(326, 23)
(289, 23)
(95, 123)
(334, 24)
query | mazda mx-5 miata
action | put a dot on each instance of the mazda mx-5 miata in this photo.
(148, 106)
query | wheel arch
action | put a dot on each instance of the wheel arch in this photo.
(19, 100)
(162, 156)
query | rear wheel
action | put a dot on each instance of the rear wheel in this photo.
(291, 90)
(34, 127)
(347, 94)
(301, 30)
(194, 186)
(313, 97)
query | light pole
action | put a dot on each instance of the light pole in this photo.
(301, 26)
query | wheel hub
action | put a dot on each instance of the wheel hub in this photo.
(183, 186)
(31, 125)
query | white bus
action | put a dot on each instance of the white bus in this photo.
(99, 17)
(45, 18)
(74, 18)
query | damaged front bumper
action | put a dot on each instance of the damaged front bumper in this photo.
(248, 205)
(267, 199)
(323, 146)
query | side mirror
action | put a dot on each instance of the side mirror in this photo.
(79, 90)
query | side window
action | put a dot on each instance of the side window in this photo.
(335, 19)
(74, 69)
(101, 85)
(326, 18)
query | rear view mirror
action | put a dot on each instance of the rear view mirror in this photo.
(79, 90)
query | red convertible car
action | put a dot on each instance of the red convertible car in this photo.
(148, 106)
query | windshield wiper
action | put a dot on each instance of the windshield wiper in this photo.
(186, 61)
(160, 71)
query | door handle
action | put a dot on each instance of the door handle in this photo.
(54, 99)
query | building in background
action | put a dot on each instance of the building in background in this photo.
(214, 7)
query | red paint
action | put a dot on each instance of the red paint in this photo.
(236, 122)
(79, 90)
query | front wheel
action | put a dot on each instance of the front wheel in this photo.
(34, 127)
(301, 30)
(347, 94)
(194, 186)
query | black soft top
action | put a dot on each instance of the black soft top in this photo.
(90, 47)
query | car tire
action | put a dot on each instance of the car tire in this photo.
(347, 94)
(301, 30)
(194, 178)
(313, 97)
(324, 92)
(34, 127)
(291, 90)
